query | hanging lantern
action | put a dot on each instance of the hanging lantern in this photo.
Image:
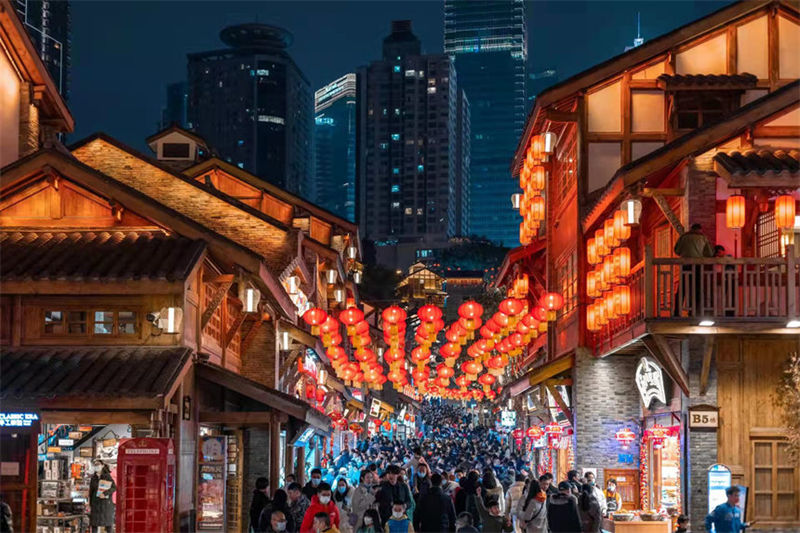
(293, 285)
(612, 240)
(552, 302)
(621, 228)
(633, 210)
(511, 306)
(622, 261)
(553, 429)
(591, 252)
(517, 434)
(536, 209)
(591, 285)
(250, 300)
(784, 211)
(591, 318)
(487, 380)
(339, 295)
(444, 371)
(625, 437)
(600, 244)
(315, 317)
(735, 211)
(331, 275)
(622, 299)
(534, 432)
(611, 309)
(352, 252)
(538, 178)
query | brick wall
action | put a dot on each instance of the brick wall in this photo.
(255, 464)
(28, 121)
(702, 444)
(701, 200)
(260, 361)
(606, 400)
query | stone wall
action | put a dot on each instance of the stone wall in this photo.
(255, 464)
(605, 401)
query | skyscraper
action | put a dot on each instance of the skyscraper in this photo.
(335, 147)
(49, 25)
(488, 41)
(175, 110)
(410, 138)
(253, 105)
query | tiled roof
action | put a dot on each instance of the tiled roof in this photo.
(102, 371)
(761, 161)
(707, 81)
(103, 255)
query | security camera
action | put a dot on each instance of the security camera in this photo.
(153, 318)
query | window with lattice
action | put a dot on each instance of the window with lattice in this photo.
(214, 326)
(234, 310)
(768, 236)
(567, 281)
(774, 481)
(564, 168)
(664, 241)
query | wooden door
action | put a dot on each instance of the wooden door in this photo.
(775, 487)
(627, 486)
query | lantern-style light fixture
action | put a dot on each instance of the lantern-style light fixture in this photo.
(785, 211)
(293, 284)
(331, 275)
(622, 299)
(538, 178)
(735, 211)
(357, 276)
(315, 317)
(352, 252)
(339, 295)
(516, 200)
(600, 244)
(591, 318)
(591, 251)
(621, 228)
(168, 319)
(633, 210)
(622, 261)
(250, 296)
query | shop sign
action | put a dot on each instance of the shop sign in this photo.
(53, 449)
(508, 419)
(650, 382)
(18, 420)
(375, 407)
(703, 417)
(625, 458)
(66, 442)
(304, 437)
(76, 435)
(719, 479)
(211, 483)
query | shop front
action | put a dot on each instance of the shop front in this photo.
(78, 425)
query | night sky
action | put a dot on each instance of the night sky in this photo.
(125, 53)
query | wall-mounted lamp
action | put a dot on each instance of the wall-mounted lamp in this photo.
(168, 320)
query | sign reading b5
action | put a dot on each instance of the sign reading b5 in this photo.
(703, 417)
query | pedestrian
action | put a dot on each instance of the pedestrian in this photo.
(683, 524)
(6, 518)
(435, 510)
(597, 491)
(298, 503)
(343, 497)
(589, 510)
(322, 523)
(612, 497)
(493, 489)
(546, 482)
(573, 477)
(532, 510)
(280, 504)
(562, 510)
(392, 490)
(692, 245)
(274, 522)
(421, 480)
(412, 463)
(492, 519)
(398, 521)
(310, 490)
(320, 503)
(464, 524)
(364, 496)
(370, 522)
(727, 517)
(102, 510)
(513, 496)
(449, 486)
(258, 503)
(289, 479)
(466, 498)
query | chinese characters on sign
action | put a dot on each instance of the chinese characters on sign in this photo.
(650, 381)
(703, 417)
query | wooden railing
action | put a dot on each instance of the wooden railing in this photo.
(747, 288)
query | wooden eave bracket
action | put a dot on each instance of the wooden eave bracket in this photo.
(659, 348)
(669, 214)
(551, 387)
(224, 284)
(708, 350)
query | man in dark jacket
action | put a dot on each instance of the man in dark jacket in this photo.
(392, 490)
(311, 488)
(562, 510)
(259, 502)
(435, 511)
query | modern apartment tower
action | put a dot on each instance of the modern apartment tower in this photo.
(176, 108)
(411, 145)
(488, 41)
(49, 25)
(253, 105)
(334, 186)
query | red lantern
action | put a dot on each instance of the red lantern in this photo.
(429, 313)
(387, 426)
(517, 434)
(553, 429)
(735, 211)
(511, 306)
(534, 432)
(350, 317)
(315, 317)
(487, 380)
(444, 371)
(785, 211)
(625, 437)
(320, 395)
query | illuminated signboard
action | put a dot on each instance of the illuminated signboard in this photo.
(304, 437)
(719, 479)
(17, 420)
(650, 382)
(508, 418)
(375, 407)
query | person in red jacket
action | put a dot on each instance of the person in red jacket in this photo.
(320, 503)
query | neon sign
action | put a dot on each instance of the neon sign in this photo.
(650, 382)
(18, 420)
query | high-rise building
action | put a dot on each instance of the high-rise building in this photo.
(49, 24)
(488, 41)
(411, 136)
(175, 110)
(253, 105)
(334, 185)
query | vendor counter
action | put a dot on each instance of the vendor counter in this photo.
(637, 526)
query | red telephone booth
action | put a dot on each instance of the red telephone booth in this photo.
(146, 486)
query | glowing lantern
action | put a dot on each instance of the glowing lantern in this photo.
(591, 318)
(552, 302)
(320, 395)
(625, 437)
(537, 178)
(611, 238)
(511, 306)
(487, 380)
(735, 211)
(600, 244)
(501, 319)
(591, 252)
(534, 433)
(622, 299)
(444, 371)
(429, 313)
(621, 228)
(315, 317)
(611, 309)
(622, 261)
(356, 428)
(784, 211)
(393, 315)
(350, 317)
(540, 314)
(591, 285)
(471, 369)
(541, 146)
(536, 208)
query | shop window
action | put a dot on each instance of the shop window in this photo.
(564, 168)
(774, 481)
(664, 240)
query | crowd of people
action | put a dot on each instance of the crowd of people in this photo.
(458, 477)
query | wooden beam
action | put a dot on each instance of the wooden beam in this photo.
(234, 328)
(560, 381)
(303, 337)
(649, 192)
(219, 295)
(669, 214)
(708, 349)
(236, 418)
(78, 417)
(250, 335)
(550, 370)
(116, 287)
(560, 401)
(560, 116)
(659, 348)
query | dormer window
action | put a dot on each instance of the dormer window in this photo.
(178, 150)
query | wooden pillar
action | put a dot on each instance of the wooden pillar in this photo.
(300, 465)
(274, 453)
(288, 455)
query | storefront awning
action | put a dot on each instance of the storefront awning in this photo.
(270, 397)
(91, 378)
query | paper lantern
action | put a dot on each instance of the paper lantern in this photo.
(784, 211)
(621, 228)
(591, 285)
(511, 306)
(538, 177)
(625, 437)
(735, 211)
(534, 432)
(591, 318)
(611, 239)
(622, 299)
(470, 310)
(487, 380)
(600, 244)
(591, 252)
(516, 200)
(315, 317)
(537, 208)
(429, 313)
(553, 429)
(622, 261)
(444, 371)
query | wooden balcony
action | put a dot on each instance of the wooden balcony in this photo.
(673, 296)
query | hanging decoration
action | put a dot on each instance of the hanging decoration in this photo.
(625, 437)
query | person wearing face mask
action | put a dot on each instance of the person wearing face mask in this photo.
(343, 498)
(370, 522)
(612, 497)
(279, 504)
(435, 511)
(364, 495)
(393, 489)
(322, 524)
(102, 510)
(398, 521)
(321, 503)
(298, 503)
(276, 522)
(311, 488)
(597, 492)
(421, 481)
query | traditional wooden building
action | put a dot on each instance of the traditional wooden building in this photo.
(698, 126)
